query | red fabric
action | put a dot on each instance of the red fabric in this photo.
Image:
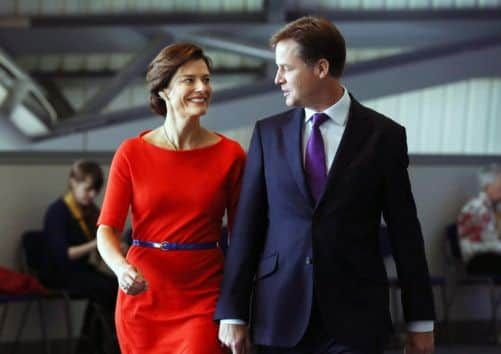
(175, 196)
(15, 283)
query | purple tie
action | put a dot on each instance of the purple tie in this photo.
(316, 171)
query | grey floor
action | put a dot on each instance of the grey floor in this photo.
(460, 350)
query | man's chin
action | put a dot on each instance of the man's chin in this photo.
(289, 102)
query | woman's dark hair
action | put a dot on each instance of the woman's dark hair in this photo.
(164, 66)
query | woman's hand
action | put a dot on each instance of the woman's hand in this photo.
(131, 280)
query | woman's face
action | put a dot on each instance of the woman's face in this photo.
(494, 190)
(189, 91)
(83, 191)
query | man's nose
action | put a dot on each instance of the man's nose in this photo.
(278, 78)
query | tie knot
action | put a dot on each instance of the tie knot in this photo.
(319, 118)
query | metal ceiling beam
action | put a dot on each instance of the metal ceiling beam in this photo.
(130, 19)
(361, 28)
(27, 88)
(425, 68)
(56, 97)
(106, 74)
(371, 79)
(93, 121)
(131, 70)
(386, 15)
(74, 40)
(231, 44)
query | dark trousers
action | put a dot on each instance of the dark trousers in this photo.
(485, 263)
(316, 340)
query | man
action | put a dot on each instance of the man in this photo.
(304, 268)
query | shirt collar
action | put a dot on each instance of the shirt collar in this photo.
(338, 112)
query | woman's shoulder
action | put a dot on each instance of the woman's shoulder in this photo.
(233, 146)
(130, 146)
(57, 208)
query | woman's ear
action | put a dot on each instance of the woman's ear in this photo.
(72, 183)
(163, 94)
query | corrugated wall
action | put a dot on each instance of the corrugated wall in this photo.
(462, 118)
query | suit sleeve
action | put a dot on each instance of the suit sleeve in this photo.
(400, 214)
(247, 237)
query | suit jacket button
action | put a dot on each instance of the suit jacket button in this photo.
(309, 260)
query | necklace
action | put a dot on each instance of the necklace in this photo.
(168, 139)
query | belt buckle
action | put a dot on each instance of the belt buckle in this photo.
(165, 246)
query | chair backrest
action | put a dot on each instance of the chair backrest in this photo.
(452, 242)
(35, 252)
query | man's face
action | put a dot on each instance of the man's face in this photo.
(297, 79)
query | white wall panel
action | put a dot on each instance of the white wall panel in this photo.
(494, 133)
(460, 118)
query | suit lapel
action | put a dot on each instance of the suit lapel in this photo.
(356, 132)
(292, 135)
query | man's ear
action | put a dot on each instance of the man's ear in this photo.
(322, 68)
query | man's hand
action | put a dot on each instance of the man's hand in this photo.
(419, 343)
(235, 337)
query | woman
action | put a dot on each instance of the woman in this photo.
(178, 179)
(479, 225)
(70, 230)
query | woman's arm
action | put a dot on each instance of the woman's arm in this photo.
(75, 252)
(130, 279)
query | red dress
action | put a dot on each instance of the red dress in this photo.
(181, 197)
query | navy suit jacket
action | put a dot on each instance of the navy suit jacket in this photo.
(287, 251)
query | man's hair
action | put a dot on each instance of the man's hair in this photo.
(488, 175)
(317, 38)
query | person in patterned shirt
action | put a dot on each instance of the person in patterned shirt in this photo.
(479, 225)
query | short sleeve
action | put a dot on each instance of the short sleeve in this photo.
(118, 191)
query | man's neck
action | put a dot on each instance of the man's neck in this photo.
(327, 97)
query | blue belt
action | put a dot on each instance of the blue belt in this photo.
(169, 246)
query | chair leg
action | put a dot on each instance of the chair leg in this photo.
(24, 318)
(3, 317)
(43, 329)
(493, 325)
(69, 324)
(445, 309)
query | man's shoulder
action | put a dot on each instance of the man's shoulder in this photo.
(378, 119)
(279, 118)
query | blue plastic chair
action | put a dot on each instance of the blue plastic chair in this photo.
(394, 284)
(461, 277)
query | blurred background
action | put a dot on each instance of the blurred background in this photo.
(72, 86)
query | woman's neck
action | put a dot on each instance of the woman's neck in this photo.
(183, 133)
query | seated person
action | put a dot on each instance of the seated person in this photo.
(479, 225)
(70, 229)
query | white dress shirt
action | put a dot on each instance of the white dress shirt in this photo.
(332, 131)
